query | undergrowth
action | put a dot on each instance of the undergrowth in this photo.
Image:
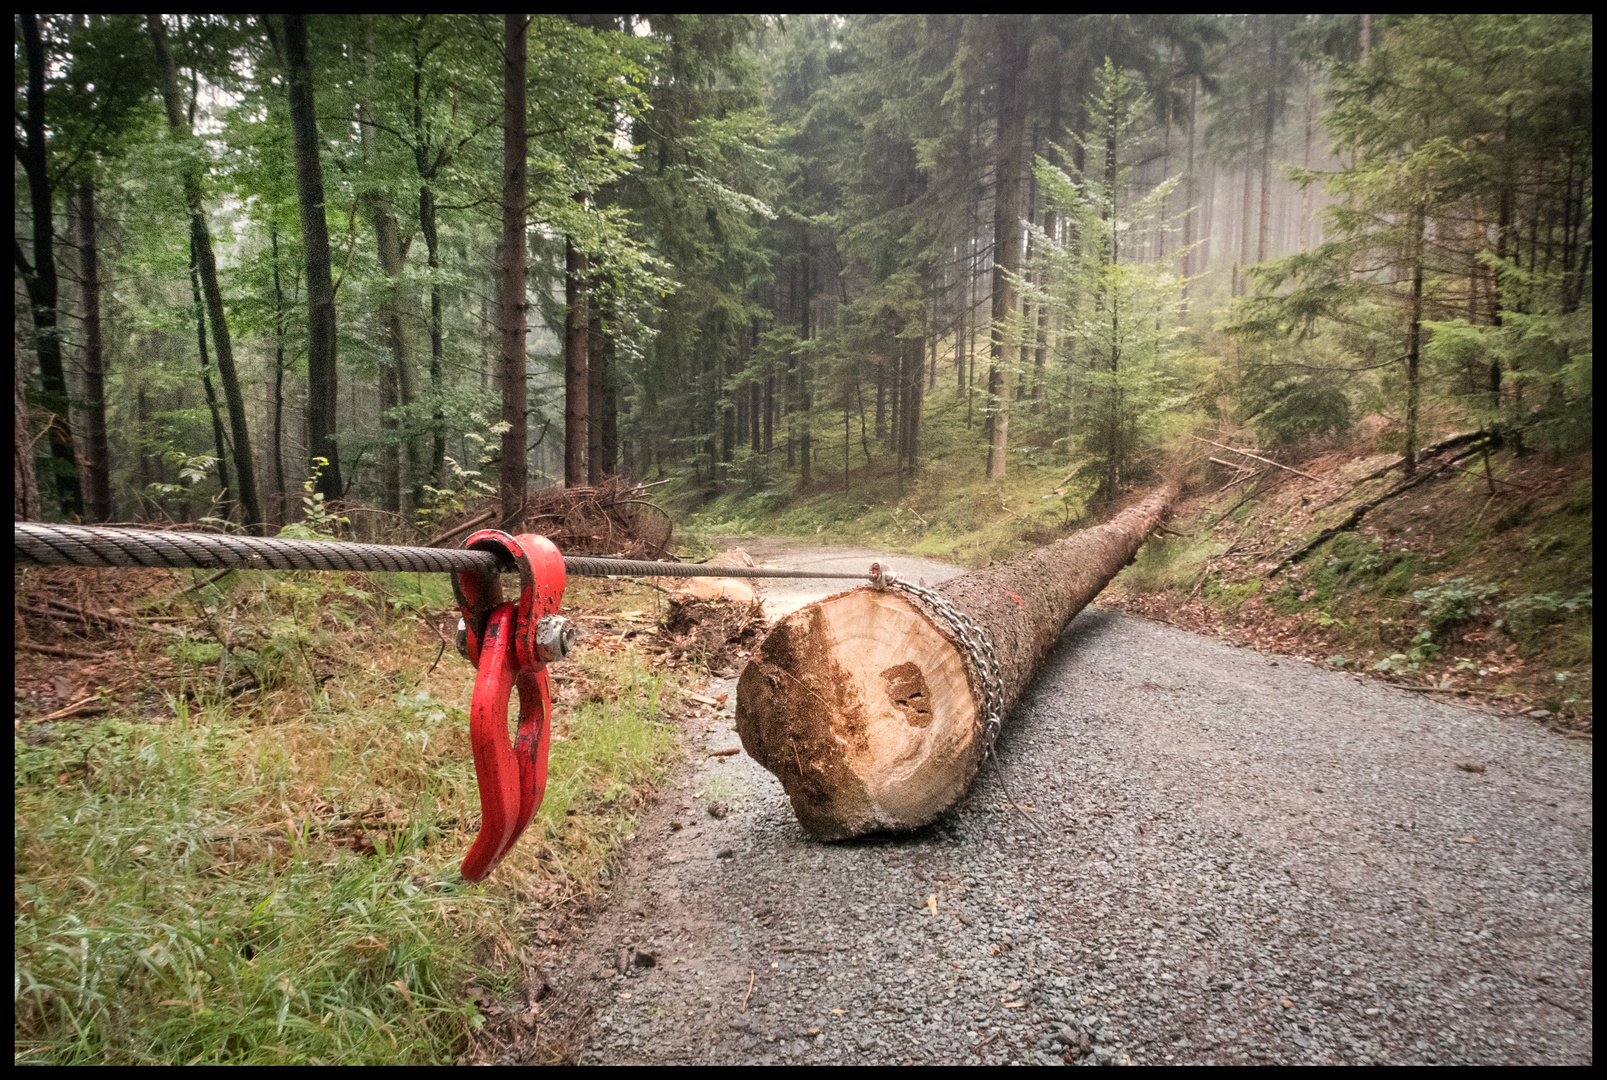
(273, 878)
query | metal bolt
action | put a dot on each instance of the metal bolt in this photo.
(555, 638)
(463, 639)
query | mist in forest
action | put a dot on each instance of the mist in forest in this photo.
(407, 263)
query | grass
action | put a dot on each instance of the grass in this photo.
(948, 511)
(274, 880)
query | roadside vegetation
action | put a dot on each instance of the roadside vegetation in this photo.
(267, 872)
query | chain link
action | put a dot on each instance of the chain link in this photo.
(979, 649)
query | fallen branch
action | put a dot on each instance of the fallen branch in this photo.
(57, 650)
(465, 527)
(1258, 457)
(82, 615)
(1360, 512)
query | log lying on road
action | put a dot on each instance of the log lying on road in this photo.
(865, 706)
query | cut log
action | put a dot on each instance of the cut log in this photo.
(865, 706)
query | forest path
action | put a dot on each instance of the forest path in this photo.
(1247, 858)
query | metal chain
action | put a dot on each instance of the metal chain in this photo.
(39, 544)
(978, 646)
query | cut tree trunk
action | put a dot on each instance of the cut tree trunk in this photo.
(865, 708)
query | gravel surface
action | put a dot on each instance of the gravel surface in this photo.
(1242, 858)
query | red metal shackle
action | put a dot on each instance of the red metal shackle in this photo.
(510, 644)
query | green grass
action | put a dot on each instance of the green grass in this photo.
(948, 510)
(277, 882)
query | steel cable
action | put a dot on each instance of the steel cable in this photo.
(39, 544)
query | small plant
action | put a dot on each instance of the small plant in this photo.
(1423, 650)
(1452, 602)
(318, 521)
(1530, 614)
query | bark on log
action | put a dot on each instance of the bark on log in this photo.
(867, 710)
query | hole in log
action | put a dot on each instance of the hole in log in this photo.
(907, 687)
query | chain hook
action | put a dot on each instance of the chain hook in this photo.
(510, 644)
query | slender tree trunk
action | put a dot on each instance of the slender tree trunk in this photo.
(1305, 191)
(219, 439)
(42, 281)
(511, 289)
(1267, 124)
(862, 704)
(427, 165)
(1006, 228)
(1413, 345)
(608, 420)
(596, 375)
(1241, 287)
(805, 396)
(98, 505)
(1191, 193)
(24, 483)
(396, 382)
(323, 381)
(577, 325)
(207, 267)
(279, 315)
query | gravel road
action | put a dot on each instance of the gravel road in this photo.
(1242, 858)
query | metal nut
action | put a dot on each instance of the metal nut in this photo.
(555, 638)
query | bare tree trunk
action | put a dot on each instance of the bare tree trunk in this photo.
(1267, 124)
(98, 461)
(1305, 191)
(1191, 190)
(24, 484)
(577, 324)
(323, 381)
(226, 489)
(279, 313)
(1414, 339)
(596, 373)
(863, 705)
(206, 265)
(511, 293)
(1006, 228)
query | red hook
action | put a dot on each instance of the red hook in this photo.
(510, 644)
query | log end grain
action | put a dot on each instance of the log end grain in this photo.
(864, 709)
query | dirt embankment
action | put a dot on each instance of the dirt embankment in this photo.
(1472, 584)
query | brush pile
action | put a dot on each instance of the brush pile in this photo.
(720, 632)
(614, 518)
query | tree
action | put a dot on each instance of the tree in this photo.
(323, 378)
(206, 268)
(511, 278)
(40, 277)
(1119, 313)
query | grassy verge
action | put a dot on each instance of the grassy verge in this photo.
(272, 877)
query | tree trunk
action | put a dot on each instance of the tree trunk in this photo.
(576, 380)
(863, 705)
(1414, 340)
(1268, 123)
(511, 298)
(24, 484)
(278, 384)
(42, 281)
(596, 374)
(1006, 228)
(226, 489)
(206, 266)
(322, 375)
(98, 463)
